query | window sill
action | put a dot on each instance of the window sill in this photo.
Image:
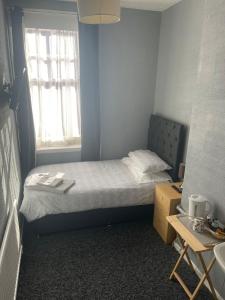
(59, 149)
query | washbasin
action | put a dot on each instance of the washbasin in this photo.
(219, 251)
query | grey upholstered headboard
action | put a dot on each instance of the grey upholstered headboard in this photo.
(166, 138)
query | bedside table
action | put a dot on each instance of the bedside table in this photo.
(166, 201)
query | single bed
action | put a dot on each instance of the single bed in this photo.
(105, 192)
(99, 185)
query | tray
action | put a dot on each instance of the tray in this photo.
(206, 238)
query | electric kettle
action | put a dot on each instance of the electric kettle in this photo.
(199, 206)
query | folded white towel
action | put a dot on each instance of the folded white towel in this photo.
(50, 181)
(60, 189)
(43, 182)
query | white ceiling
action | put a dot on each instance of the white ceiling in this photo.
(156, 5)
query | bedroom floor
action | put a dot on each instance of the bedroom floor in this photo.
(125, 261)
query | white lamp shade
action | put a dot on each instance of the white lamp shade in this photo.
(99, 11)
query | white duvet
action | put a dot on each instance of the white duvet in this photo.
(103, 184)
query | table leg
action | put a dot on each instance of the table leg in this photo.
(184, 251)
(187, 255)
(205, 277)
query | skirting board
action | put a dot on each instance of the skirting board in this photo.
(198, 272)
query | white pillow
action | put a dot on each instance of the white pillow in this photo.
(141, 177)
(148, 161)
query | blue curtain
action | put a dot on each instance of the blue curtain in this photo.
(89, 78)
(22, 98)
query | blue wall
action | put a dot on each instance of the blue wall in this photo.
(118, 75)
(128, 54)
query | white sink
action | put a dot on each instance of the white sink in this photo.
(219, 251)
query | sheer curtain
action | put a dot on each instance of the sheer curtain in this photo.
(53, 68)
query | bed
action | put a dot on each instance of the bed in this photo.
(105, 192)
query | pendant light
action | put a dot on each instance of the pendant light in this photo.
(99, 11)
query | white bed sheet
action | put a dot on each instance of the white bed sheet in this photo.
(103, 184)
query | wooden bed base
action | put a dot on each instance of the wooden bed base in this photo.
(92, 218)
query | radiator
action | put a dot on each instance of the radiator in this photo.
(10, 255)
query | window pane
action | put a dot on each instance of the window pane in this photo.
(31, 43)
(41, 44)
(53, 65)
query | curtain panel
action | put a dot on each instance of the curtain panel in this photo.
(89, 85)
(24, 117)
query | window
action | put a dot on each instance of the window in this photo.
(53, 68)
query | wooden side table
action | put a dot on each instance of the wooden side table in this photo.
(189, 240)
(166, 201)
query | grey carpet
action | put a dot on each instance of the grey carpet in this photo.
(125, 261)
